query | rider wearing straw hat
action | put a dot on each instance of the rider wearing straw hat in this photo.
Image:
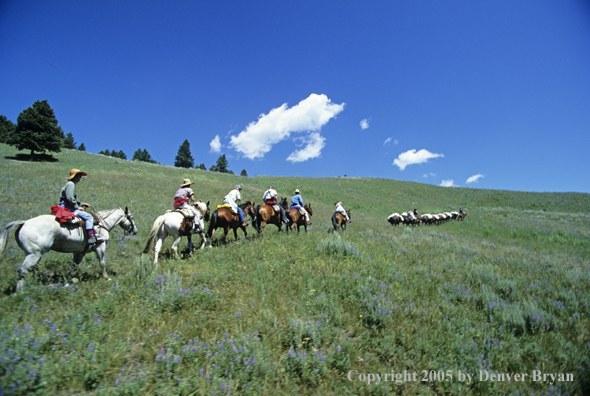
(181, 198)
(297, 202)
(68, 199)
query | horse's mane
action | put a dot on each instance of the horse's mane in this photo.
(242, 206)
(106, 213)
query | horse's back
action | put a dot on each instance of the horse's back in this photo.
(44, 232)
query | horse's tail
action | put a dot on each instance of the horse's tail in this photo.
(6, 230)
(153, 232)
(334, 221)
(212, 223)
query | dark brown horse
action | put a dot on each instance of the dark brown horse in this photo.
(224, 217)
(462, 216)
(265, 214)
(339, 220)
(297, 218)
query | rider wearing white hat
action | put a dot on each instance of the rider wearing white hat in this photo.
(181, 201)
(340, 208)
(270, 198)
(69, 199)
(231, 198)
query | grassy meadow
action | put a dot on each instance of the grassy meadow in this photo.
(507, 291)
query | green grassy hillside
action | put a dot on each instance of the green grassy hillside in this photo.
(504, 292)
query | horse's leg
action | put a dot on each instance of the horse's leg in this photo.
(225, 232)
(78, 259)
(175, 246)
(31, 260)
(157, 248)
(190, 245)
(211, 239)
(203, 240)
(100, 255)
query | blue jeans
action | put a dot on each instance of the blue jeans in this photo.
(241, 214)
(87, 217)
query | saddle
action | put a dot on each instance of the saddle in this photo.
(225, 205)
(66, 217)
(187, 213)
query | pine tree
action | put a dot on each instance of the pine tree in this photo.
(69, 141)
(222, 164)
(244, 173)
(213, 168)
(6, 129)
(81, 147)
(201, 166)
(37, 130)
(184, 159)
(143, 155)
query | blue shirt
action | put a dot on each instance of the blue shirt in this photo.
(297, 200)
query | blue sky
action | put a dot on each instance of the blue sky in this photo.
(483, 94)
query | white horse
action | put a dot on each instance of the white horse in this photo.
(43, 233)
(170, 224)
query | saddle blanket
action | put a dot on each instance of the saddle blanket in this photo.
(225, 205)
(185, 212)
(276, 207)
(63, 215)
(299, 208)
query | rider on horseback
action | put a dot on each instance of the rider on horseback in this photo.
(340, 208)
(181, 199)
(270, 198)
(297, 202)
(231, 198)
(68, 199)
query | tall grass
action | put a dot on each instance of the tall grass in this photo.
(506, 290)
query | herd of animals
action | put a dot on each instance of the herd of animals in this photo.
(40, 234)
(412, 218)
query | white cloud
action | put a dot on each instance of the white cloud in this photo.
(215, 145)
(474, 178)
(307, 116)
(364, 124)
(314, 145)
(411, 157)
(425, 175)
(388, 141)
(448, 183)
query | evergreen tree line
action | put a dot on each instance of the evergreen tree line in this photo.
(37, 130)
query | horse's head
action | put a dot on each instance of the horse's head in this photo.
(348, 212)
(204, 209)
(248, 209)
(283, 203)
(127, 223)
(308, 209)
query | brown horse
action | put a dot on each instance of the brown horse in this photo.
(462, 216)
(224, 217)
(297, 218)
(265, 214)
(339, 220)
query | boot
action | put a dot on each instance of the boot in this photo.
(91, 237)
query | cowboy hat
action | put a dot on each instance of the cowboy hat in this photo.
(186, 183)
(297, 191)
(238, 187)
(74, 172)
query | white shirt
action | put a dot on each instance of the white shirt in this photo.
(233, 196)
(269, 194)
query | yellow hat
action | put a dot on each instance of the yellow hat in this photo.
(186, 183)
(74, 172)
(297, 191)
